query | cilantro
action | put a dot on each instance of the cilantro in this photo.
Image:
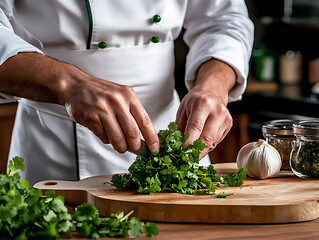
(27, 214)
(223, 195)
(90, 225)
(174, 169)
(233, 179)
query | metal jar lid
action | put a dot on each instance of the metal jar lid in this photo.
(307, 127)
(278, 127)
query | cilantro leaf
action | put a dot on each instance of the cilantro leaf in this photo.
(174, 169)
(27, 214)
(223, 195)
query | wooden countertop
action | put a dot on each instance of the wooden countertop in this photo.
(287, 231)
(291, 231)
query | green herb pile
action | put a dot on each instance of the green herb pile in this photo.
(308, 159)
(89, 224)
(174, 169)
(27, 214)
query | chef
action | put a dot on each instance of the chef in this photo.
(93, 77)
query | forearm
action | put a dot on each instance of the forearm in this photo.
(36, 76)
(216, 77)
(112, 111)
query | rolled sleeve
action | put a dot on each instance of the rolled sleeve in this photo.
(10, 45)
(220, 30)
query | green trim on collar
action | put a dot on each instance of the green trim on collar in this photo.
(76, 152)
(88, 6)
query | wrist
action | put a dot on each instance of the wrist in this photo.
(216, 77)
(66, 79)
(34, 76)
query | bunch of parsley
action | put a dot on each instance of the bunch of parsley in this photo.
(27, 214)
(174, 169)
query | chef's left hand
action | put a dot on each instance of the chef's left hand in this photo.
(203, 112)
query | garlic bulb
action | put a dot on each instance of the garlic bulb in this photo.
(260, 159)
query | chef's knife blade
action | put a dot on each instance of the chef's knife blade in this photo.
(143, 152)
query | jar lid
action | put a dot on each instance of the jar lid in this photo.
(278, 127)
(307, 127)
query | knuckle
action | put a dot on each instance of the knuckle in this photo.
(115, 98)
(223, 110)
(100, 105)
(120, 149)
(204, 100)
(122, 98)
(116, 140)
(118, 145)
(133, 133)
(93, 119)
(208, 140)
(129, 92)
(134, 147)
(145, 121)
(228, 120)
(219, 109)
(196, 124)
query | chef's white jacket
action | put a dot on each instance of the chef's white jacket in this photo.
(112, 39)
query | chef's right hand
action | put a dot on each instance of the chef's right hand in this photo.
(112, 111)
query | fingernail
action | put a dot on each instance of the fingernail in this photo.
(154, 147)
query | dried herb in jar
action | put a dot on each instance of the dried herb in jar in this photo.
(279, 134)
(284, 147)
(306, 159)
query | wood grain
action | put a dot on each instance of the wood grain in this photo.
(283, 199)
(289, 231)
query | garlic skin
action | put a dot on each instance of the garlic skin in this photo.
(260, 159)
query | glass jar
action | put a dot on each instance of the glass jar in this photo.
(279, 134)
(304, 159)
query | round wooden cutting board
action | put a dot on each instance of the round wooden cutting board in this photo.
(283, 199)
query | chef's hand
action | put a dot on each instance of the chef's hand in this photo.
(203, 112)
(112, 111)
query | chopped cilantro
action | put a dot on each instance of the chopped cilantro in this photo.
(89, 224)
(174, 169)
(233, 179)
(223, 195)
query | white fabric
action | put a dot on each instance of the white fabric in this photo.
(43, 134)
(156, 92)
(221, 30)
(46, 143)
(215, 28)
